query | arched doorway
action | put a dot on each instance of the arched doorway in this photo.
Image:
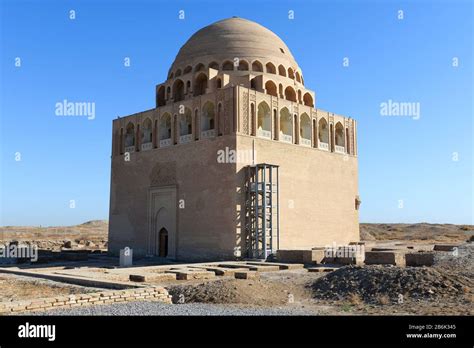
(163, 243)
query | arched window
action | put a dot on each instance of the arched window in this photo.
(298, 78)
(220, 120)
(252, 119)
(168, 92)
(340, 139)
(308, 100)
(147, 132)
(196, 124)
(187, 70)
(331, 136)
(280, 90)
(200, 84)
(165, 127)
(243, 65)
(290, 94)
(257, 66)
(175, 129)
(291, 73)
(228, 66)
(253, 83)
(281, 70)
(275, 125)
(178, 90)
(155, 132)
(315, 134)
(208, 119)
(188, 86)
(129, 136)
(185, 126)
(296, 128)
(270, 68)
(271, 88)
(178, 73)
(286, 125)
(214, 65)
(199, 67)
(218, 83)
(264, 121)
(299, 96)
(348, 143)
(323, 132)
(160, 98)
(305, 129)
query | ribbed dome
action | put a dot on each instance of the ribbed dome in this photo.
(234, 37)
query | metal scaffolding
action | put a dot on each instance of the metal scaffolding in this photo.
(262, 210)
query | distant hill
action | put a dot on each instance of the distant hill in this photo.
(417, 231)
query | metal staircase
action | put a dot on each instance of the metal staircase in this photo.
(262, 210)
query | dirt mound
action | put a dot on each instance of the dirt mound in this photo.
(255, 292)
(374, 284)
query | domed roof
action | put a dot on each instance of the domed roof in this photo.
(234, 37)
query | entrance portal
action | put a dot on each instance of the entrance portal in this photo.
(163, 237)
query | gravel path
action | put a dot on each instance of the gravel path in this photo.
(157, 308)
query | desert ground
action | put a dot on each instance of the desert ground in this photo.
(444, 288)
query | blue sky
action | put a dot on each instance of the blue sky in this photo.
(407, 60)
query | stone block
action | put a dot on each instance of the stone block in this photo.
(385, 258)
(419, 259)
(445, 247)
(246, 275)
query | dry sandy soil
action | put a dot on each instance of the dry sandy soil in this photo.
(90, 235)
(17, 288)
(444, 289)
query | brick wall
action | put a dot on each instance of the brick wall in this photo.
(106, 297)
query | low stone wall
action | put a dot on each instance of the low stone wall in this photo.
(385, 258)
(106, 297)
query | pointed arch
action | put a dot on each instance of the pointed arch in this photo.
(286, 125)
(297, 76)
(199, 67)
(281, 70)
(228, 66)
(129, 136)
(323, 134)
(214, 65)
(160, 96)
(291, 73)
(257, 66)
(290, 94)
(270, 68)
(308, 99)
(243, 65)
(200, 84)
(178, 90)
(208, 120)
(264, 120)
(271, 88)
(165, 127)
(147, 131)
(305, 129)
